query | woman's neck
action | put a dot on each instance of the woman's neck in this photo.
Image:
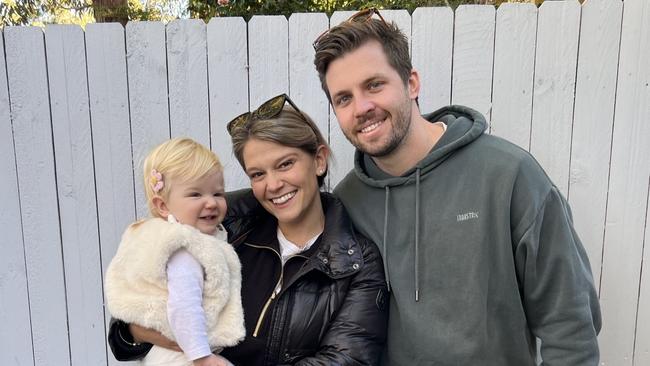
(312, 223)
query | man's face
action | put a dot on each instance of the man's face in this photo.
(371, 102)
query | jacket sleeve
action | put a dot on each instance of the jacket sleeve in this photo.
(122, 345)
(243, 212)
(358, 333)
(557, 287)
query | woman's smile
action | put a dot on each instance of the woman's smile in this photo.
(284, 198)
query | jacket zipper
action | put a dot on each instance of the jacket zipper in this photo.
(276, 290)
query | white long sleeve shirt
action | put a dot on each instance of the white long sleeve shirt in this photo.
(184, 310)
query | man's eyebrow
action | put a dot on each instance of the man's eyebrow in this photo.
(342, 92)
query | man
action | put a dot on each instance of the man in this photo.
(479, 248)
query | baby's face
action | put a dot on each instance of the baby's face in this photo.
(200, 203)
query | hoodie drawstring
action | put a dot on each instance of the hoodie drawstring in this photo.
(417, 234)
(385, 234)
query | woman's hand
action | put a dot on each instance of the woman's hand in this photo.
(212, 360)
(141, 334)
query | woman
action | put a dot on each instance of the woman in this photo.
(313, 289)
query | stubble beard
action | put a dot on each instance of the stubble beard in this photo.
(400, 123)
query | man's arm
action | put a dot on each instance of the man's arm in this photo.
(560, 300)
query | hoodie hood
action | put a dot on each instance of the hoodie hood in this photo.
(463, 125)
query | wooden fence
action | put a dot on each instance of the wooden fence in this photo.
(79, 109)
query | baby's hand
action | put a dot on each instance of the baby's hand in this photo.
(212, 360)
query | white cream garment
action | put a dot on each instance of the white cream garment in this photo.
(136, 279)
(185, 313)
(159, 356)
(184, 309)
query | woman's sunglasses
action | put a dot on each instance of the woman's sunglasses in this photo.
(269, 109)
(361, 16)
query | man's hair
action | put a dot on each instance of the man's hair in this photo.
(181, 160)
(350, 35)
(289, 128)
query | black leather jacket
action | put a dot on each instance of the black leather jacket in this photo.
(331, 308)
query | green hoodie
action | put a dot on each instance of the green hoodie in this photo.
(480, 253)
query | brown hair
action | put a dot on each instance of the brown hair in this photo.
(289, 128)
(350, 35)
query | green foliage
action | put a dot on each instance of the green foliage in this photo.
(38, 12)
(207, 9)
(21, 12)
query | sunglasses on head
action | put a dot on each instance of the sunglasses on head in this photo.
(361, 16)
(267, 110)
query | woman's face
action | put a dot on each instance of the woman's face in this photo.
(284, 180)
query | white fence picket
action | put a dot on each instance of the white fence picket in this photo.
(188, 80)
(642, 341)
(431, 49)
(148, 98)
(403, 20)
(228, 87)
(111, 133)
(268, 49)
(514, 63)
(558, 24)
(593, 118)
(628, 190)
(66, 55)
(473, 57)
(15, 334)
(304, 84)
(338, 143)
(30, 113)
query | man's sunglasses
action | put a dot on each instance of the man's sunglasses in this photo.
(269, 109)
(361, 16)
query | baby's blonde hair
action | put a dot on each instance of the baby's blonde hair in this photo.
(181, 159)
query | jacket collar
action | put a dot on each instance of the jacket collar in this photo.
(338, 254)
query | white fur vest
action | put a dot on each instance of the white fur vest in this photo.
(136, 279)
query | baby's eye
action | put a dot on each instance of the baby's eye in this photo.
(195, 194)
(218, 194)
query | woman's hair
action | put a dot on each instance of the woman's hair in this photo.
(180, 160)
(289, 128)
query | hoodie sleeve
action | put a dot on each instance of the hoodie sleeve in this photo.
(556, 284)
